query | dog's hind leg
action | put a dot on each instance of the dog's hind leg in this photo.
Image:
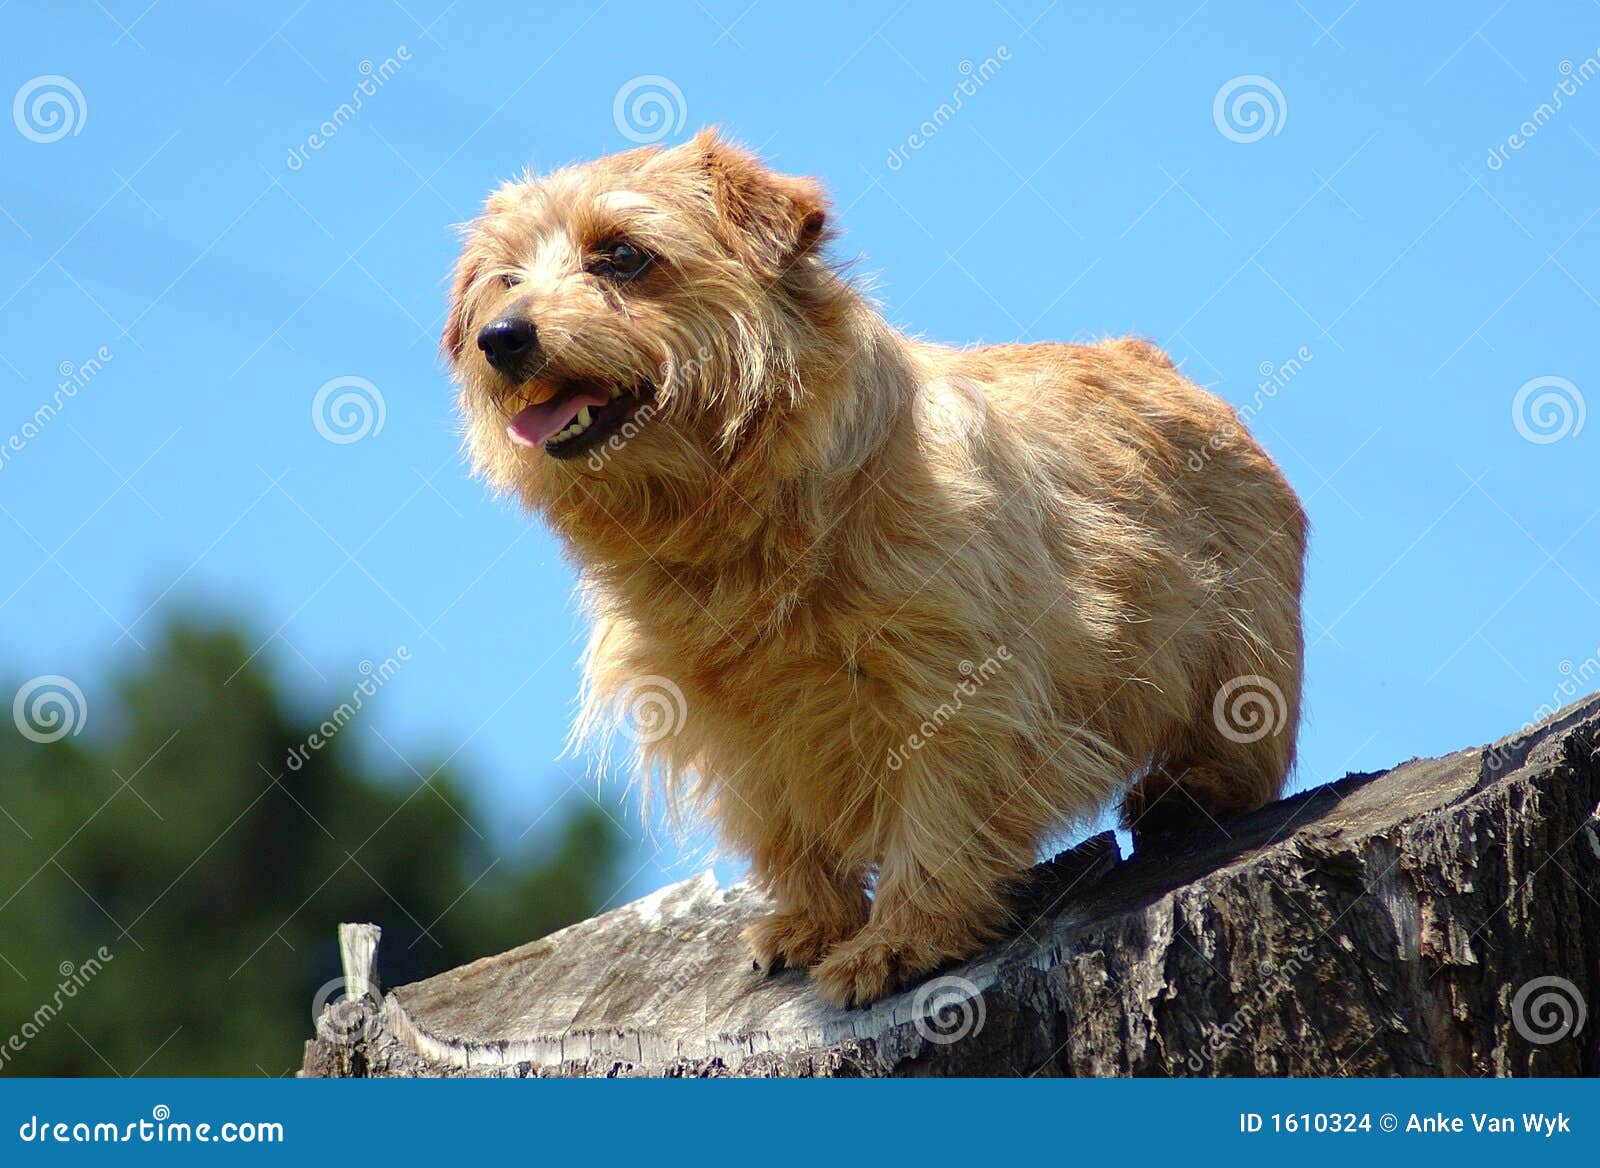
(1233, 757)
(1232, 751)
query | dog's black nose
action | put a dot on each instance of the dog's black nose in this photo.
(508, 342)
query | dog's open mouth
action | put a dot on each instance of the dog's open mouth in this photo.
(569, 418)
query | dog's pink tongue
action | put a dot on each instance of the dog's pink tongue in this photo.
(536, 425)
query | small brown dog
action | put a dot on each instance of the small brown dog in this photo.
(922, 607)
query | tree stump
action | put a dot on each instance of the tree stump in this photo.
(1440, 918)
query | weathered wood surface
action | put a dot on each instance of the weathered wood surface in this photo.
(1407, 922)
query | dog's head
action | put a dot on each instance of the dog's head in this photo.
(636, 318)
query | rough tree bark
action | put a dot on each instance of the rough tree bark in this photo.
(1440, 918)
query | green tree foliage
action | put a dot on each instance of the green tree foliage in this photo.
(175, 837)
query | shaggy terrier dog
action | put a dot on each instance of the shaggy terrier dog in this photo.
(914, 608)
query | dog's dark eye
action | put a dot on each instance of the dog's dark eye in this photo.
(620, 261)
(510, 280)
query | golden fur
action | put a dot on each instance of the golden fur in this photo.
(925, 606)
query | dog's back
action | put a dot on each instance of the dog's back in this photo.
(1170, 608)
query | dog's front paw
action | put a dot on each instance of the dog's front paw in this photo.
(791, 939)
(863, 970)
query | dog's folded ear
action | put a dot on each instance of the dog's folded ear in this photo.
(467, 269)
(769, 220)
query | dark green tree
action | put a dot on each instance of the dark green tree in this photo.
(175, 841)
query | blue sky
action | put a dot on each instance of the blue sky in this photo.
(1361, 246)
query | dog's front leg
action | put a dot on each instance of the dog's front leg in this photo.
(959, 841)
(820, 901)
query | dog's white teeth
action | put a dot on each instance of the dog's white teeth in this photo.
(579, 425)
